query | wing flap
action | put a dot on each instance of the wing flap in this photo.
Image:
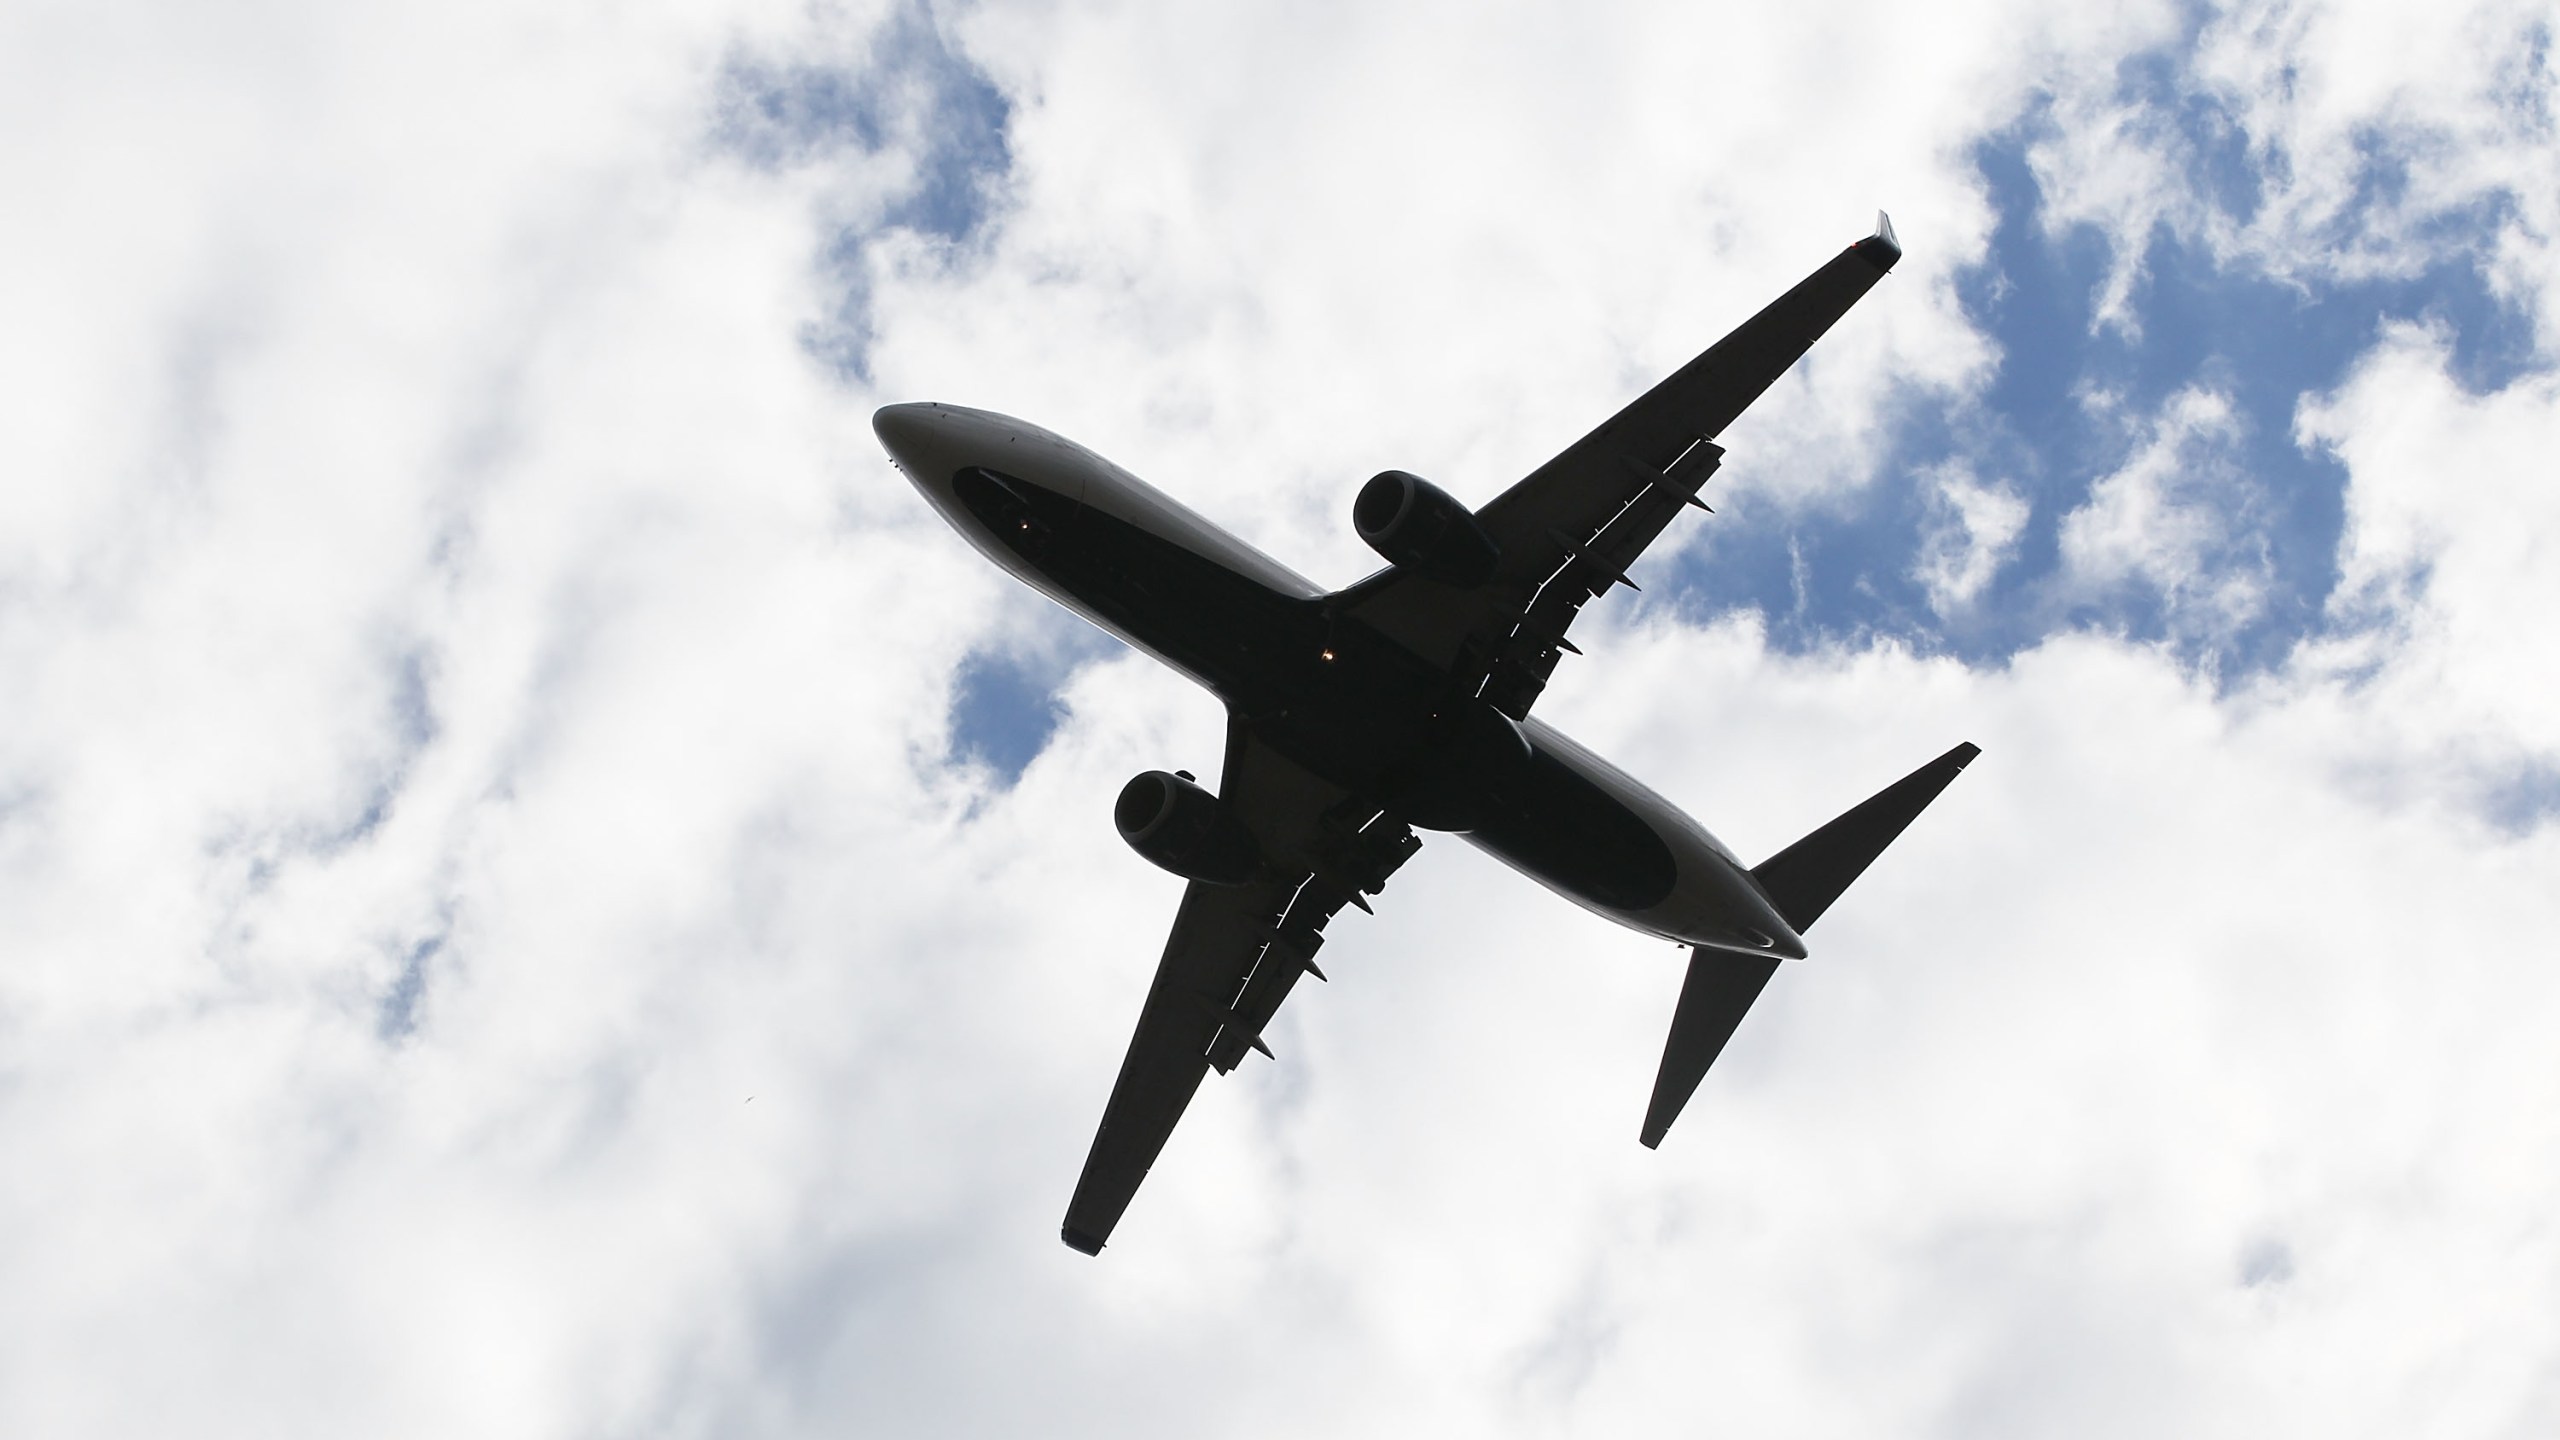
(1348, 864)
(1518, 671)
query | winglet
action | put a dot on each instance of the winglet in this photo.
(1880, 249)
(1803, 879)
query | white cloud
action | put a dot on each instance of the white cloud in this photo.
(2446, 564)
(2321, 141)
(2176, 517)
(439, 541)
(1976, 528)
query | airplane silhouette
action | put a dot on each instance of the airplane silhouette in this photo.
(1400, 703)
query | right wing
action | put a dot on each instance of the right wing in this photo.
(1571, 530)
(1233, 956)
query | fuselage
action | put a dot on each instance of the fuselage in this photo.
(1324, 689)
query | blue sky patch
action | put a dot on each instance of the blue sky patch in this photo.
(1003, 710)
(2074, 402)
(1004, 698)
(912, 90)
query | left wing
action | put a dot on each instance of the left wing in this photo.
(1235, 952)
(1571, 530)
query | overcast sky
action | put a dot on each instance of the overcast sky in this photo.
(544, 894)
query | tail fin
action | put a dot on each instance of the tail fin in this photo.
(1801, 881)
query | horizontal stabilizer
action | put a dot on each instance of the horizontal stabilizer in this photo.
(1803, 879)
(1719, 990)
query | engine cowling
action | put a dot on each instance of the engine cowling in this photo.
(1420, 527)
(1185, 829)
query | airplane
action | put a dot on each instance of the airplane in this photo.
(1357, 716)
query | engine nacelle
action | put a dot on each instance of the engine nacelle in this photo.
(1186, 830)
(1422, 528)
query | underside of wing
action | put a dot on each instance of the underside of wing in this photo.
(1581, 491)
(1577, 524)
(1214, 939)
(1234, 954)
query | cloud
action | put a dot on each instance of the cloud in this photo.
(2153, 238)
(506, 934)
(2322, 143)
(1978, 529)
(2176, 518)
(2443, 562)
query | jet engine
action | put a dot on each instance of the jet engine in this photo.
(1185, 829)
(1422, 528)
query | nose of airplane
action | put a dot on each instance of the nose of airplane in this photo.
(905, 430)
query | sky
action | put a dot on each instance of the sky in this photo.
(544, 894)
